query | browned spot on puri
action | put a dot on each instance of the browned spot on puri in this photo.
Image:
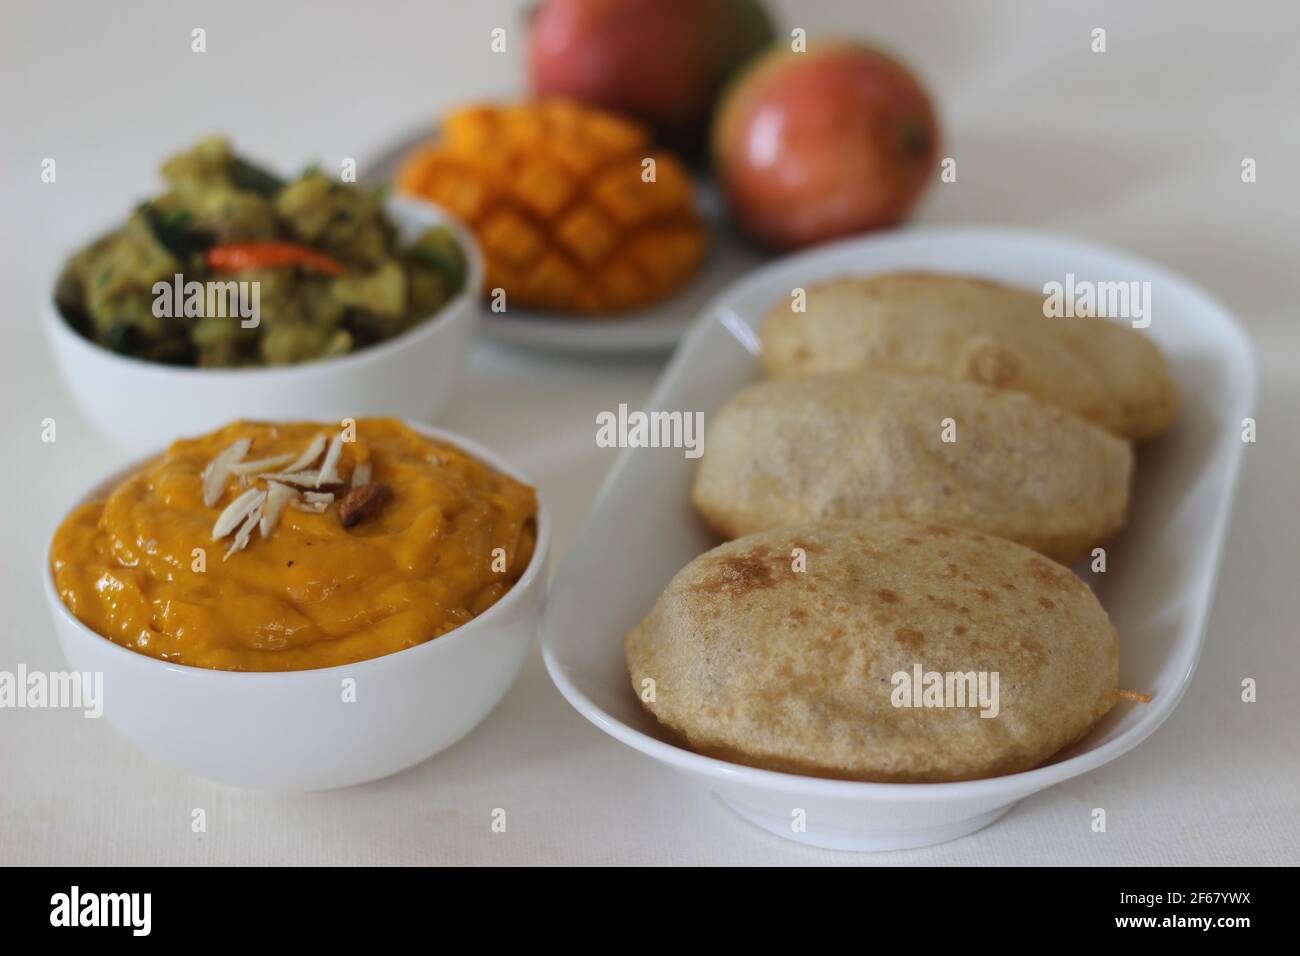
(984, 594)
(910, 540)
(1048, 573)
(1046, 602)
(909, 637)
(960, 629)
(740, 573)
(953, 570)
(888, 596)
(1032, 649)
(1008, 585)
(938, 530)
(797, 615)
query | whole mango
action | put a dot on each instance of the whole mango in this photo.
(814, 145)
(660, 61)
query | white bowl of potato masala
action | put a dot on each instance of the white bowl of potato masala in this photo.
(302, 606)
(240, 294)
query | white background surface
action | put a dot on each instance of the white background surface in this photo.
(1140, 147)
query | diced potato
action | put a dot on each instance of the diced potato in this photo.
(382, 292)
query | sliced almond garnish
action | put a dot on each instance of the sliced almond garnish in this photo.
(363, 502)
(245, 531)
(244, 468)
(237, 511)
(277, 496)
(315, 501)
(294, 486)
(311, 453)
(218, 470)
(303, 479)
(329, 473)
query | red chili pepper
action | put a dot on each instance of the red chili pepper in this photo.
(270, 255)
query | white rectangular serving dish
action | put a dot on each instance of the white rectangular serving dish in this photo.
(1160, 571)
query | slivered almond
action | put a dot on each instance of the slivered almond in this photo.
(363, 502)
(277, 496)
(245, 531)
(214, 476)
(236, 512)
(310, 454)
(316, 501)
(361, 474)
(303, 479)
(244, 468)
(329, 474)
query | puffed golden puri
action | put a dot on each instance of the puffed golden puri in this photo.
(314, 592)
(861, 445)
(754, 662)
(978, 331)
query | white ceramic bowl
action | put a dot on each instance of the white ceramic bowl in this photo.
(292, 731)
(137, 403)
(1157, 590)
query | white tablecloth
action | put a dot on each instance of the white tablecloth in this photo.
(1140, 147)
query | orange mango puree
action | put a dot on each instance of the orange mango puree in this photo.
(312, 593)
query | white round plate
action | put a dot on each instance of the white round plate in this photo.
(656, 329)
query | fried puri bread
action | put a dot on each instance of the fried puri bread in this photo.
(757, 663)
(979, 331)
(861, 445)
